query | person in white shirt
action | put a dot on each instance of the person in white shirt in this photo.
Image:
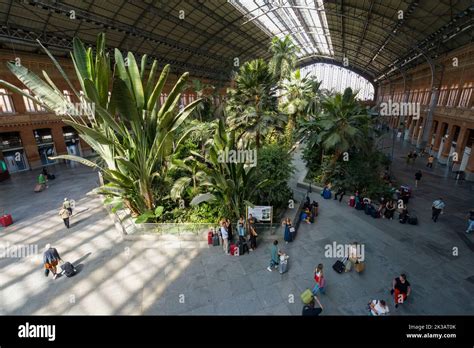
(378, 308)
(437, 208)
(225, 237)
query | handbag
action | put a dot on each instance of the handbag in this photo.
(292, 229)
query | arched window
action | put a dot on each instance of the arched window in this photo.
(338, 79)
(466, 95)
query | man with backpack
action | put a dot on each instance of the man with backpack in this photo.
(51, 260)
(67, 205)
(65, 214)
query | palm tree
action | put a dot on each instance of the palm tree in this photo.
(252, 104)
(131, 132)
(284, 58)
(299, 95)
(344, 124)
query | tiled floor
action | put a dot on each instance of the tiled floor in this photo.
(145, 277)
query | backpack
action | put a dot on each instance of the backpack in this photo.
(68, 269)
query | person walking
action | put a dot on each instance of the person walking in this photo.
(275, 254)
(377, 308)
(437, 209)
(430, 161)
(225, 236)
(470, 221)
(400, 289)
(67, 205)
(253, 235)
(310, 310)
(51, 260)
(418, 176)
(319, 279)
(287, 233)
(65, 214)
(340, 192)
(42, 180)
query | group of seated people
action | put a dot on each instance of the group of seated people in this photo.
(386, 208)
(309, 211)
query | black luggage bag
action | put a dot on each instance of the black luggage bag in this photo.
(339, 266)
(412, 220)
(68, 269)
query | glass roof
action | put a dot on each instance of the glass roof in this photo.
(304, 20)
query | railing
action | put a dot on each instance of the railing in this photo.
(199, 229)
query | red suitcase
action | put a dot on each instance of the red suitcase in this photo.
(210, 234)
(6, 220)
(233, 249)
(352, 201)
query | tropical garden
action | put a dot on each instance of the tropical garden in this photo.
(163, 161)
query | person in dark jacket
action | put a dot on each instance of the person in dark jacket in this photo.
(309, 310)
(418, 176)
(51, 260)
(229, 230)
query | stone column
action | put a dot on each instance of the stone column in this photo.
(416, 131)
(30, 147)
(461, 141)
(421, 131)
(58, 138)
(439, 135)
(443, 159)
(469, 172)
(412, 128)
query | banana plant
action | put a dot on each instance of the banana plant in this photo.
(130, 130)
(228, 182)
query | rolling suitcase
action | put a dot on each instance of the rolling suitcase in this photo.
(210, 235)
(283, 266)
(6, 220)
(68, 269)
(215, 240)
(412, 220)
(306, 296)
(243, 248)
(233, 248)
(352, 201)
(339, 266)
